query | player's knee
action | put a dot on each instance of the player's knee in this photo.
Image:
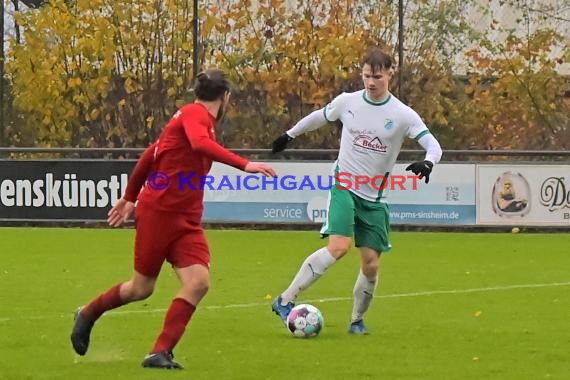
(338, 245)
(370, 270)
(338, 250)
(141, 292)
(202, 287)
(196, 288)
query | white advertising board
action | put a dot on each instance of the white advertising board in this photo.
(523, 195)
(299, 195)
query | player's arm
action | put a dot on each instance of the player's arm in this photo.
(311, 122)
(122, 210)
(140, 173)
(197, 133)
(419, 132)
(431, 146)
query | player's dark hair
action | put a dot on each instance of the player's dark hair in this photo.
(378, 60)
(211, 84)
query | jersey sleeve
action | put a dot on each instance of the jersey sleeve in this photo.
(432, 148)
(335, 108)
(311, 122)
(196, 127)
(418, 131)
(140, 173)
(416, 127)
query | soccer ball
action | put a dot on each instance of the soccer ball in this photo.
(305, 321)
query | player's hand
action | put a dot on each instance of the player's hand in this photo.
(120, 213)
(260, 167)
(421, 168)
(280, 143)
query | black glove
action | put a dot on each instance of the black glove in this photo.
(281, 142)
(422, 168)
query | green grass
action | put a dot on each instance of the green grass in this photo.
(424, 320)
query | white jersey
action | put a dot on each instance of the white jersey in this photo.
(372, 136)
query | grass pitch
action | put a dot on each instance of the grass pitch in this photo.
(449, 306)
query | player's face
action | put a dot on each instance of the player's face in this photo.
(376, 82)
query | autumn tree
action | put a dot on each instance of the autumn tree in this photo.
(436, 35)
(100, 72)
(516, 93)
(290, 58)
(103, 73)
(285, 59)
(116, 69)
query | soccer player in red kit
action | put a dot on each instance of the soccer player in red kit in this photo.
(168, 217)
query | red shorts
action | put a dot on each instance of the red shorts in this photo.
(167, 236)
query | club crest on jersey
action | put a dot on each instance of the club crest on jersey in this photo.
(365, 143)
(389, 124)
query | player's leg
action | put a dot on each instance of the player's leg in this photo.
(364, 288)
(138, 288)
(190, 258)
(315, 266)
(149, 255)
(372, 237)
(195, 282)
(150, 252)
(339, 228)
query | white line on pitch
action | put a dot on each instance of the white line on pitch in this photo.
(317, 300)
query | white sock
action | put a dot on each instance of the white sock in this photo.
(312, 268)
(363, 294)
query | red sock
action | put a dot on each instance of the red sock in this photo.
(111, 299)
(177, 317)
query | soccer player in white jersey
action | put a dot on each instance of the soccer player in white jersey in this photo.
(375, 124)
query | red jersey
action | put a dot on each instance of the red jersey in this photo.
(182, 155)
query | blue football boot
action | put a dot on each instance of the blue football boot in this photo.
(358, 328)
(280, 310)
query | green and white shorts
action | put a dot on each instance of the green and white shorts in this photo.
(352, 216)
